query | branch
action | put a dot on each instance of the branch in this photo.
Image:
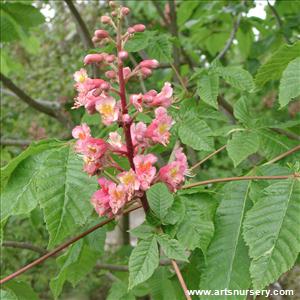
(181, 280)
(231, 37)
(217, 180)
(174, 31)
(285, 154)
(82, 28)
(24, 245)
(278, 21)
(160, 12)
(15, 142)
(207, 157)
(61, 247)
(83, 32)
(46, 109)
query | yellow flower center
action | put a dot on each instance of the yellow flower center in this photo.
(106, 110)
(162, 128)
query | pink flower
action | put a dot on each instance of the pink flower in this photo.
(80, 76)
(129, 180)
(144, 169)
(118, 197)
(94, 148)
(108, 109)
(173, 173)
(138, 134)
(81, 132)
(100, 198)
(115, 141)
(137, 101)
(164, 98)
(158, 130)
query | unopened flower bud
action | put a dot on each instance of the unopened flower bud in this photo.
(146, 72)
(126, 72)
(123, 54)
(112, 4)
(95, 40)
(114, 13)
(149, 63)
(101, 34)
(126, 119)
(105, 86)
(139, 27)
(110, 74)
(110, 58)
(105, 20)
(125, 11)
(130, 30)
(92, 58)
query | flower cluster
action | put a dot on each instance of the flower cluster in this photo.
(108, 98)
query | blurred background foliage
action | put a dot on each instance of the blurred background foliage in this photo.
(42, 46)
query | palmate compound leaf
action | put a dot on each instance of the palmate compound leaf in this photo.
(271, 230)
(227, 264)
(64, 192)
(143, 261)
(289, 87)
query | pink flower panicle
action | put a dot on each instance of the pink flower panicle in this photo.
(101, 96)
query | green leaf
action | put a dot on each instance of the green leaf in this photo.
(171, 247)
(275, 65)
(227, 257)
(273, 144)
(271, 232)
(160, 199)
(139, 42)
(144, 231)
(237, 77)
(241, 111)
(208, 89)
(160, 48)
(241, 145)
(8, 295)
(21, 290)
(175, 213)
(196, 134)
(64, 192)
(160, 285)
(216, 41)
(185, 11)
(34, 148)
(17, 18)
(143, 261)
(75, 264)
(119, 291)
(197, 227)
(289, 87)
(20, 194)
